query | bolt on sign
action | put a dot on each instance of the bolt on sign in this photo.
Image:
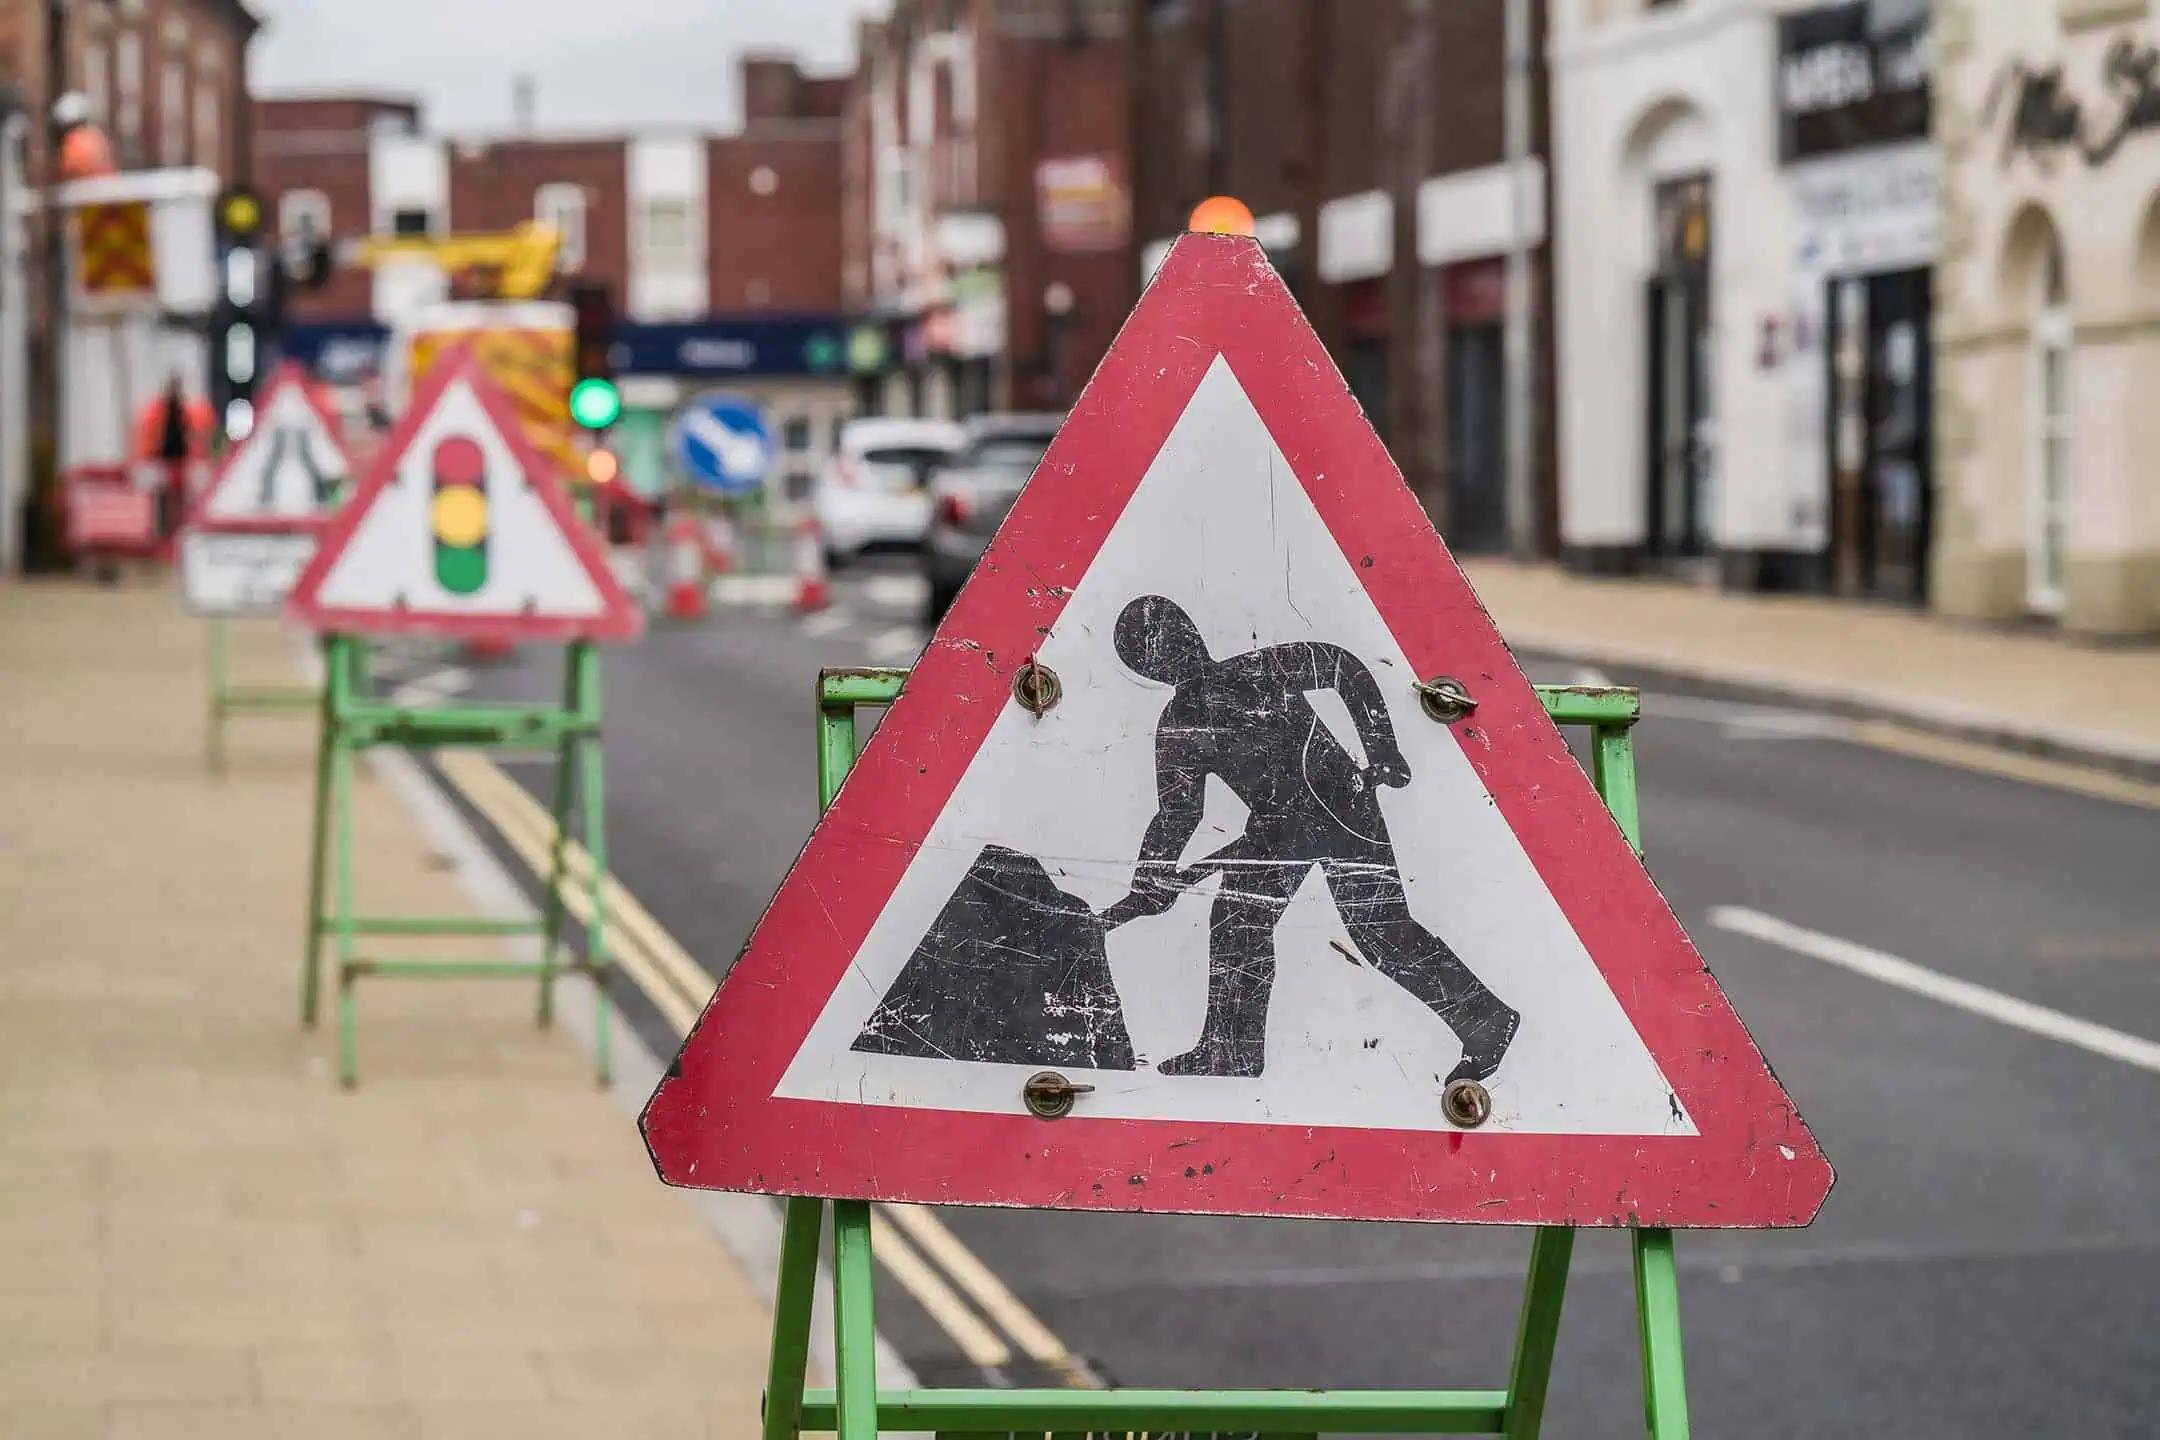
(256, 524)
(1218, 818)
(461, 531)
(113, 258)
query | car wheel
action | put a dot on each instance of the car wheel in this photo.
(836, 560)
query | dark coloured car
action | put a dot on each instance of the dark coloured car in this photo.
(970, 495)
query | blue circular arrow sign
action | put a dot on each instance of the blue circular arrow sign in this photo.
(722, 443)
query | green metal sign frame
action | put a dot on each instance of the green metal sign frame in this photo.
(856, 1409)
(353, 721)
(227, 699)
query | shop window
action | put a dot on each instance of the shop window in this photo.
(795, 433)
(2049, 406)
(128, 82)
(208, 139)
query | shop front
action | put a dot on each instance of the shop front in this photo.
(2048, 315)
(1856, 349)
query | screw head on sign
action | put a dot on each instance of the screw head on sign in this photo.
(1037, 687)
(1050, 1095)
(1446, 699)
(1466, 1104)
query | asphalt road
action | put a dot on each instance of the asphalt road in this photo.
(1986, 1266)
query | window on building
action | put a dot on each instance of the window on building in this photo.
(128, 82)
(563, 206)
(795, 433)
(172, 113)
(209, 137)
(304, 212)
(2050, 408)
(411, 222)
(664, 230)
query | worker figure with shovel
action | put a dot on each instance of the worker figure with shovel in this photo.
(1245, 720)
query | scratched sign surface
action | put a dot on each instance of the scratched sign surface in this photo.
(1235, 879)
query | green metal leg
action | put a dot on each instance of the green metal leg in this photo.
(792, 1303)
(552, 906)
(1538, 1331)
(311, 963)
(214, 732)
(854, 1323)
(341, 785)
(1657, 1306)
(592, 810)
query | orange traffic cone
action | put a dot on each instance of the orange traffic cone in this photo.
(813, 590)
(687, 582)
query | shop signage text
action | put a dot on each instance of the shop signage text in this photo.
(2045, 119)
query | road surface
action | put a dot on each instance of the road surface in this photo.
(1953, 972)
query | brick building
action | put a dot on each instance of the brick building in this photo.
(1359, 134)
(681, 224)
(167, 79)
(987, 225)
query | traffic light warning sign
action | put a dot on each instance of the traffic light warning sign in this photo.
(462, 531)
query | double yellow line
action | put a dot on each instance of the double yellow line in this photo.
(990, 1325)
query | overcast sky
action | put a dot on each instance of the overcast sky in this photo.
(596, 64)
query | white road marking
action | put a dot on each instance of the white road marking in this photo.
(896, 592)
(1934, 985)
(433, 687)
(754, 589)
(826, 622)
(902, 642)
(1749, 722)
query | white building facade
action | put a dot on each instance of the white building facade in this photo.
(1747, 211)
(2048, 334)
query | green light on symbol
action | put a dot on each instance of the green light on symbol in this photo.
(595, 404)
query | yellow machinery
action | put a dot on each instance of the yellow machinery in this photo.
(521, 340)
(516, 264)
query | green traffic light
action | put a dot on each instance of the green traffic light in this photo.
(595, 403)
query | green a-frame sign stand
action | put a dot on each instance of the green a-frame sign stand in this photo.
(227, 699)
(856, 1409)
(353, 721)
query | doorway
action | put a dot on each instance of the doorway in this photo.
(1881, 435)
(2049, 463)
(1476, 440)
(1680, 421)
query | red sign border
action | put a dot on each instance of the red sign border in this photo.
(199, 517)
(714, 1123)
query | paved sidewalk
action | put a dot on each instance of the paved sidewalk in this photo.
(200, 1233)
(2031, 690)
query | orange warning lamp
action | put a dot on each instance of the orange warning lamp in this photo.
(601, 467)
(1220, 215)
(85, 153)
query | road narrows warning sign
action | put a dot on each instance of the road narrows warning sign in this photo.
(1235, 878)
(461, 530)
(253, 528)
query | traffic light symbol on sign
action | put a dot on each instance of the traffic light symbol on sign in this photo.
(460, 515)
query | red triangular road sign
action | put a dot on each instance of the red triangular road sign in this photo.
(1235, 878)
(286, 475)
(461, 530)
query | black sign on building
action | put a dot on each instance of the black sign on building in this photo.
(1852, 74)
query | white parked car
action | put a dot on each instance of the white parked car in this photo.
(874, 492)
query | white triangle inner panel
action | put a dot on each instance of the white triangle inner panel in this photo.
(390, 560)
(287, 468)
(1222, 527)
